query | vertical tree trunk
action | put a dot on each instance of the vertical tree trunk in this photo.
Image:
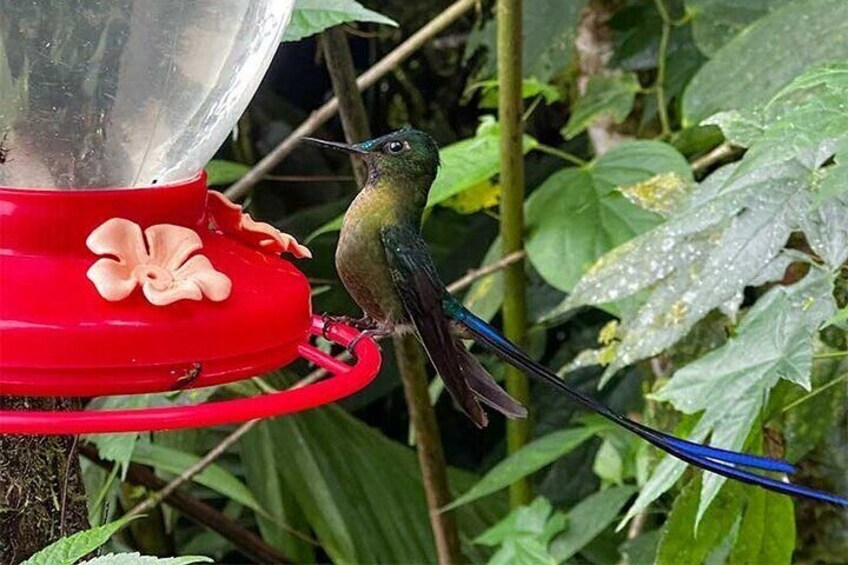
(42, 497)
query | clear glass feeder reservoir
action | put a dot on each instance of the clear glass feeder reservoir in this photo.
(119, 272)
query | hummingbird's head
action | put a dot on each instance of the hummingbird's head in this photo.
(405, 154)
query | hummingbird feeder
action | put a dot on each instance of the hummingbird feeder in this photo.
(120, 273)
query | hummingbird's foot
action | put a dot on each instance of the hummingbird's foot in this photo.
(363, 323)
(374, 332)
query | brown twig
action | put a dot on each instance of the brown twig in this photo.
(351, 108)
(366, 80)
(474, 274)
(245, 540)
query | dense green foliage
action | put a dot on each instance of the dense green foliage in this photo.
(687, 237)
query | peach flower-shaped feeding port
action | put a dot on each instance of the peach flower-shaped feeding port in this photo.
(228, 218)
(160, 260)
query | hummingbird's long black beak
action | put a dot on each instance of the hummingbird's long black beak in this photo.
(343, 147)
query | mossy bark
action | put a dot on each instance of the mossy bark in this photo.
(42, 497)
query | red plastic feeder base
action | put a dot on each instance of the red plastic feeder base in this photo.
(240, 309)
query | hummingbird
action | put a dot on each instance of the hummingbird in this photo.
(383, 262)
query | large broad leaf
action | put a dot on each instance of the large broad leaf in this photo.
(529, 459)
(362, 493)
(286, 527)
(577, 214)
(767, 532)
(730, 385)
(548, 49)
(753, 67)
(588, 518)
(716, 22)
(313, 16)
(71, 549)
(684, 544)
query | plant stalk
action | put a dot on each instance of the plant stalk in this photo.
(510, 108)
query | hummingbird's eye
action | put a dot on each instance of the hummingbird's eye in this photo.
(394, 147)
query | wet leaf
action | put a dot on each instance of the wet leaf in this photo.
(577, 214)
(730, 385)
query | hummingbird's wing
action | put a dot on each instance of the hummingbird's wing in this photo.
(422, 294)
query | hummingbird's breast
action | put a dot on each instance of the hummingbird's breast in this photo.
(360, 260)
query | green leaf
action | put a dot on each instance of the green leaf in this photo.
(588, 518)
(684, 544)
(767, 532)
(470, 162)
(527, 460)
(71, 549)
(526, 551)
(716, 22)
(547, 50)
(731, 230)
(608, 96)
(220, 172)
(730, 384)
(361, 511)
(138, 559)
(313, 16)
(530, 520)
(214, 476)
(577, 214)
(530, 88)
(753, 67)
(259, 457)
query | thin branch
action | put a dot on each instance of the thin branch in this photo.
(366, 80)
(351, 108)
(245, 540)
(564, 155)
(816, 392)
(717, 154)
(474, 274)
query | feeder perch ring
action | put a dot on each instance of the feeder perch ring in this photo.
(345, 380)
